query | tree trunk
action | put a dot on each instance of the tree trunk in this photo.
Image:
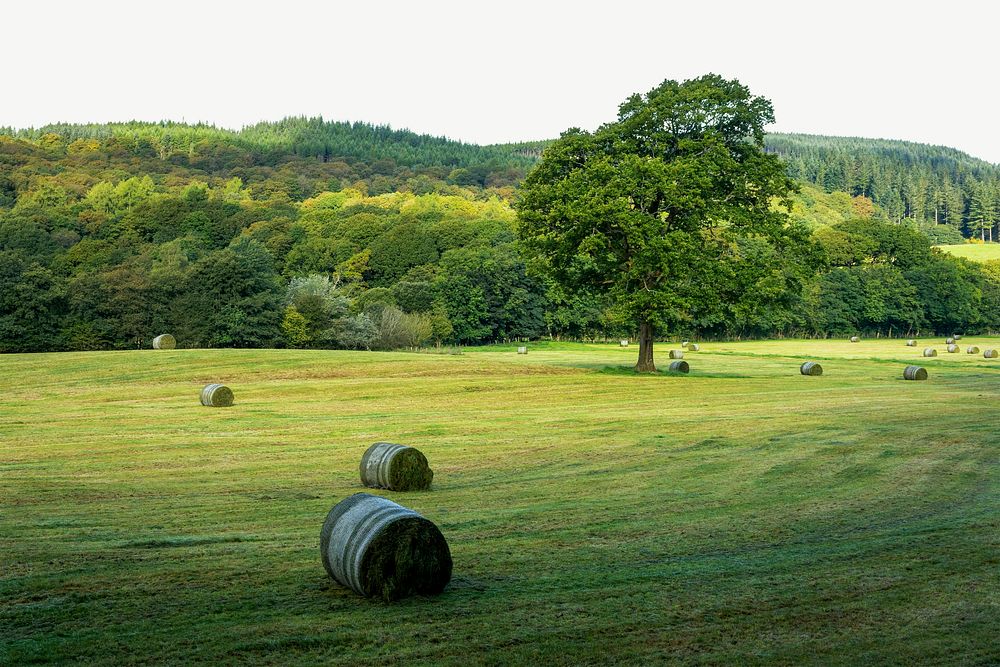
(645, 363)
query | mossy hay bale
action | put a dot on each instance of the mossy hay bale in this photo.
(911, 343)
(914, 373)
(676, 354)
(380, 549)
(930, 352)
(952, 348)
(522, 350)
(679, 367)
(972, 349)
(216, 396)
(855, 339)
(693, 347)
(164, 342)
(623, 343)
(386, 465)
(990, 353)
(811, 368)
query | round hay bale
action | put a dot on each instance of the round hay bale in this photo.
(679, 367)
(676, 354)
(811, 368)
(522, 350)
(952, 348)
(693, 347)
(855, 339)
(930, 352)
(385, 465)
(972, 349)
(949, 341)
(685, 343)
(957, 336)
(623, 343)
(164, 342)
(380, 549)
(914, 373)
(911, 343)
(216, 396)
(990, 353)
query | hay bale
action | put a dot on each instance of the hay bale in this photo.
(676, 354)
(216, 396)
(952, 348)
(378, 548)
(685, 343)
(957, 336)
(855, 339)
(911, 343)
(164, 342)
(693, 347)
(972, 349)
(811, 368)
(385, 465)
(623, 343)
(949, 341)
(679, 367)
(930, 352)
(914, 373)
(990, 353)
(522, 350)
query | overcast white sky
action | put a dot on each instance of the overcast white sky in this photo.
(503, 71)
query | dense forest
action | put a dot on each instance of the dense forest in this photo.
(306, 233)
(946, 192)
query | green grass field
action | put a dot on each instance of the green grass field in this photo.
(743, 514)
(978, 252)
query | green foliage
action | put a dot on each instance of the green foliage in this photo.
(924, 184)
(648, 209)
(111, 234)
(295, 327)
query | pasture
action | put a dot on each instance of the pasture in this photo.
(743, 513)
(977, 252)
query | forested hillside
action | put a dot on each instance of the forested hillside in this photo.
(306, 233)
(928, 185)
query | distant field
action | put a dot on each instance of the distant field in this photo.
(742, 514)
(980, 252)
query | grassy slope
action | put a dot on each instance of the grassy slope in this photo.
(979, 252)
(743, 512)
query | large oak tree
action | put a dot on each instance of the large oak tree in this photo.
(652, 210)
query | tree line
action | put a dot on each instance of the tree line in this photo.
(106, 243)
(217, 268)
(949, 194)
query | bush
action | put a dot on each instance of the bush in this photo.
(357, 332)
(398, 329)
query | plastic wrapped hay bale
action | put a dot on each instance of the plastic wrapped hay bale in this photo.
(378, 548)
(811, 368)
(914, 373)
(385, 465)
(164, 342)
(930, 352)
(679, 367)
(216, 396)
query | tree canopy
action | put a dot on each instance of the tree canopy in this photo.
(650, 210)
